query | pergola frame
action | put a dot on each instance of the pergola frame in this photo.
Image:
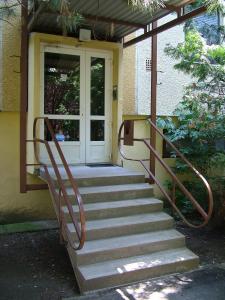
(26, 28)
(182, 17)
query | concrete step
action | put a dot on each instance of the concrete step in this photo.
(101, 210)
(128, 270)
(128, 236)
(113, 192)
(88, 176)
(129, 245)
(112, 227)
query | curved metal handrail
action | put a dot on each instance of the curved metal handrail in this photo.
(206, 215)
(80, 229)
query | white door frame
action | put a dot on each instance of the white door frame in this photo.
(104, 146)
(85, 145)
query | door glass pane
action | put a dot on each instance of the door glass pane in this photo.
(62, 84)
(97, 130)
(65, 130)
(97, 86)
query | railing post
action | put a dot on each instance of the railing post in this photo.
(153, 98)
(23, 93)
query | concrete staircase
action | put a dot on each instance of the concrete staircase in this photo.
(129, 237)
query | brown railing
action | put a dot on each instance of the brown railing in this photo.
(62, 190)
(128, 126)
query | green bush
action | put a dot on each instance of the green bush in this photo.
(199, 130)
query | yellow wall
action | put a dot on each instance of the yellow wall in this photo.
(16, 207)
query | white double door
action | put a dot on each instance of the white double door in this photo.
(76, 90)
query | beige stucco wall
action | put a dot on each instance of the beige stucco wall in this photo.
(15, 207)
(11, 63)
(1, 58)
(129, 81)
(170, 81)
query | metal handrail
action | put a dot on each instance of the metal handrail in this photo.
(80, 229)
(206, 215)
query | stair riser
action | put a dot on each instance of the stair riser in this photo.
(102, 233)
(119, 212)
(114, 195)
(102, 181)
(139, 275)
(140, 249)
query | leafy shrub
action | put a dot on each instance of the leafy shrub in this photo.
(199, 129)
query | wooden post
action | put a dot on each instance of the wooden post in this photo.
(153, 97)
(23, 93)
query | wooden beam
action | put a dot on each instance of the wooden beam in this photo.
(168, 25)
(23, 93)
(153, 98)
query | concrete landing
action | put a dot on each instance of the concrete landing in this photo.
(96, 176)
(93, 172)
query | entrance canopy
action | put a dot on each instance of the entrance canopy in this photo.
(109, 20)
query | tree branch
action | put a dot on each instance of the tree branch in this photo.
(4, 20)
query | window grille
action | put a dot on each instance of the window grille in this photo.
(148, 64)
